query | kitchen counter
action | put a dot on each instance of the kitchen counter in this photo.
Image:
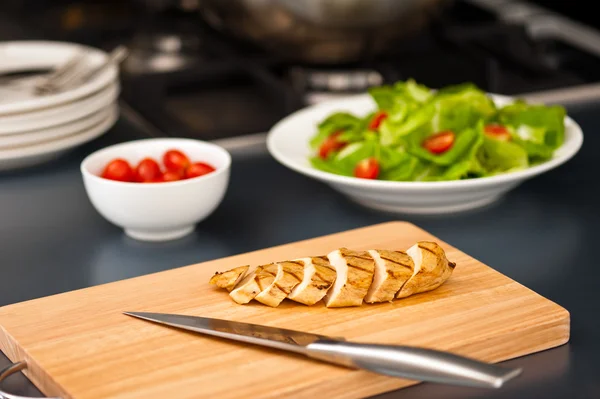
(543, 234)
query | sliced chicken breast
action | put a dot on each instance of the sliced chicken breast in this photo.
(319, 275)
(254, 282)
(354, 271)
(432, 268)
(392, 270)
(230, 278)
(289, 274)
(266, 275)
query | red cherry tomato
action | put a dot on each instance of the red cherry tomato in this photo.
(377, 119)
(198, 169)
(170, 176)
(439, 142)
(367, 169)
(497, 132)
(147, 171)
(118, 169)
(176, 161)
(331, 144)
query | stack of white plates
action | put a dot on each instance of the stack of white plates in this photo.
(36, 128)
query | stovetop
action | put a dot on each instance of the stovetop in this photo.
(188, 80)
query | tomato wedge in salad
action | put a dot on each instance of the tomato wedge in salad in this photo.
(331, 144)
(439, 142)
(367, 169)
(498, 132)
(377, 119)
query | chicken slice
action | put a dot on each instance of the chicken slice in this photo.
(354, 271)
(392, 270)
(230, 278)
(319, 275)
(254, 282)
(289, 274)
(432, 268)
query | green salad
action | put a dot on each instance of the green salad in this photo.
(417, 134)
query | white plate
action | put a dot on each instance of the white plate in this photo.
(55, 132)
(288, 143)
(24, 55)
(36, 154)
(58, 115)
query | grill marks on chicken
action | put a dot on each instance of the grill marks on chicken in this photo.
(230, 278)
(432, 269)
(318, 277)
(342, 278)
(354, 275)
(254, 283)
(392, 270)
(289, 274)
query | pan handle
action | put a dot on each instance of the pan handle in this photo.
(7, 372)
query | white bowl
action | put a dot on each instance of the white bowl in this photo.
(157, 211)
(288, 143)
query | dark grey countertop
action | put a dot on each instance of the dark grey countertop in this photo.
(543, 234)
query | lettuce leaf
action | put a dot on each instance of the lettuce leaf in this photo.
(395, 98)
(391, 132)
(498, 156)
(338, 121)
(539, 129)
(464, 141)
(403, 103)
(465, 166)
(395, 163)
(461, 107)
(453, 108)
(468, 165)
(327, 166)
(404, 171)
(427, 171)
(352, 154)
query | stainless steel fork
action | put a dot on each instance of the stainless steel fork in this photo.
(77, 75)
(46, 79)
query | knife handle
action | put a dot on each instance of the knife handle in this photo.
(412, 363)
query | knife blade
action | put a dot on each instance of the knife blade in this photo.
(412, 363)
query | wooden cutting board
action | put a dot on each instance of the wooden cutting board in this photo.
(79, 345)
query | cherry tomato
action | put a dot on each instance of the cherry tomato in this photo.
(176, 161)
(147, 171)
(377, 119)
(170, 176)
(118, 169)
(439, 142)
(198, 169)
(367, 169)
(498, 132)
(331, 144)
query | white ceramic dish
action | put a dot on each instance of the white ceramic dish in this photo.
(288, 143)
(26, 55)
(55, 132)
(157, 211)
(49, 117)
(21, 157)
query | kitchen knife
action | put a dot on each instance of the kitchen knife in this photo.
(397, 361)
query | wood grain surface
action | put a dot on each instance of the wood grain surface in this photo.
(79, 345)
